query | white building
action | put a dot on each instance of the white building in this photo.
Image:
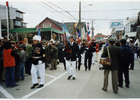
(16, 17)
(130, 27)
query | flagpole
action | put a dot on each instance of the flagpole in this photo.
(51, 33)
(7, 20)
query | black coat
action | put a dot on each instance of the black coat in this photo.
(74, 51)
(127, 56)
(38, 50)
(88, 51)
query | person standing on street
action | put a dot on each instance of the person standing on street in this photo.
(88, 56)
(133, 50)
(124, 64)
(29, 61)
(54, 56)
(93, 53)
(71, 50)
(97, 50)
(9, 64)
(116, 55)
(21, 64)
(38, 62)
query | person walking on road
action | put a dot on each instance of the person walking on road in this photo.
(115, 54)
(71, 50)
(38, 62)
(124, 64)
(132, 46)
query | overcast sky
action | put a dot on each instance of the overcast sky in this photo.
(102, 13)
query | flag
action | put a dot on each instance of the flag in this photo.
(83, 33)
(39, 29)
(79, 35)
(93, 34)
(65, 30)
(76, 35)
(88, 32)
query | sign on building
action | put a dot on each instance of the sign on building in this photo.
(117, 24)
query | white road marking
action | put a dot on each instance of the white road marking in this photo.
(30, 94)
(6, 94)
(50, 76)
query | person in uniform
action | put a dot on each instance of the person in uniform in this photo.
(88, 56)
(93, 53)
(63, 53)
(71, 50)
(38, 62)
(79, 58)
(83, 51)
(97, 50)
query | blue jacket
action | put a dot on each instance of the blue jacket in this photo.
(127, 55)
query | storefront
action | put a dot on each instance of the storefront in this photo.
(46, 33)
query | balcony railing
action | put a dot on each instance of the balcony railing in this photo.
(19, 15)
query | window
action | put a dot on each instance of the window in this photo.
(24, 24)
(20, 15)
(18, 23)
(46, 25)
(133, 27)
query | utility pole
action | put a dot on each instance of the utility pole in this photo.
(79, 11)
(80, 17)
(7, 20)
(92, 29)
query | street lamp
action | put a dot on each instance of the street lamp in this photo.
(80, 10)
(80, 14)
(87, 5)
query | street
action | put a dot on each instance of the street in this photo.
(88, 84)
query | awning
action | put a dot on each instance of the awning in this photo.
(32, 30)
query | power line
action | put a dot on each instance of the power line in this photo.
(64, 10)
(103, 10)
(44, 6)
(56, 10)
(101, 19)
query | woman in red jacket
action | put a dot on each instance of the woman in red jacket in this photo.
(97, 50)
(9, 63)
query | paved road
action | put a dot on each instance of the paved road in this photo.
(88, 84)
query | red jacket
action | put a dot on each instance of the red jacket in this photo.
(8, 59)
(97, 47)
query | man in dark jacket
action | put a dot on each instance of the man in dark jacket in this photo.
(115, 55)
(124, 64)
(88, 56)
(132, 46)
(71, 50)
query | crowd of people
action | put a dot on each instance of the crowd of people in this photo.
(18, 59)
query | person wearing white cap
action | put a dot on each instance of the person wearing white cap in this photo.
(38, 62)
